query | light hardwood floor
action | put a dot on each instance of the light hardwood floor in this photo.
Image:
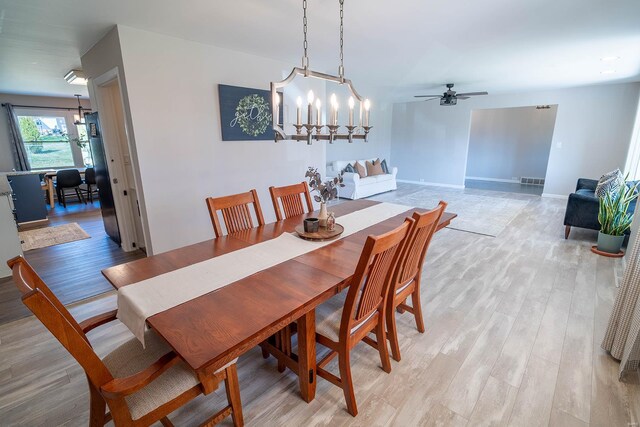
(514, 325)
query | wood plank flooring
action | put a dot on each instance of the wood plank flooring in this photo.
(514, 325)
(72, 270)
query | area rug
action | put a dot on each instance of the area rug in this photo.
(50, 236)
(476, 213)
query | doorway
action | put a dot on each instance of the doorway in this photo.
(509, 148)
(108, 96)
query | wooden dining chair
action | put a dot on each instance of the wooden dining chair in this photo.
(349, 317)
(235, 212)
(406, 278)
(290, 196)
(139, 385)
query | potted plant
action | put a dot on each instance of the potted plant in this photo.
(327, 190)
(614, 217)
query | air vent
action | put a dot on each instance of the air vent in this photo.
(531, 181)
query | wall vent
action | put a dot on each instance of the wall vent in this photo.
(531, 181)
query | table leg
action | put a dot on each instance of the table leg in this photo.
(307, 355)
(52, 202)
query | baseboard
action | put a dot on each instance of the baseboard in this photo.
(479, 178)
(555, 196)
(436, 184)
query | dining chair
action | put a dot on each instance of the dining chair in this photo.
(290, 197)
(235, 212)
(90, 182)
(139, 385)
(406, 278)
(68, 179)
(350, 316)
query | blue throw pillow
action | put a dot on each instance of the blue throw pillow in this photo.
(385, 168)
(349, 168)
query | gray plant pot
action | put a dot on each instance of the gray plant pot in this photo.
(609, 243)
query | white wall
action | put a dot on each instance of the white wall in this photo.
(173, 108)
(592, 134)
(508, 143)
(7, 162)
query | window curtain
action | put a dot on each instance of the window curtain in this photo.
(622, 339)
(17, 145)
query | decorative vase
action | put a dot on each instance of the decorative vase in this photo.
(322, 217)
(608, 243)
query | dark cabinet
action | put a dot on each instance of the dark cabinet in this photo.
(28, 198)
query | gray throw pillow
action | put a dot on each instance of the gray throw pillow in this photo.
(385, 168)
(609, 183)
(349, 168)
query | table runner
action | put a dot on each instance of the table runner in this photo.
(141, 300)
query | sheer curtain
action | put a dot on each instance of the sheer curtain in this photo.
(622, 339)
(17, 145)
(633, 157)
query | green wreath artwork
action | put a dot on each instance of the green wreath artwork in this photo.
(253, 115)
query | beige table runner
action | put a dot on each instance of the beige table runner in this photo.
(141, 300)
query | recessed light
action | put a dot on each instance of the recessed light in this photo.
(609, 58)
(608, 72)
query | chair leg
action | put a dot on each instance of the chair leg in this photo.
(382, 346)
(347, 383)
(80, 196)
(567, 230)
(64, 198)
(392, 334)
(233, 395)
(97, 408)
(417, 309)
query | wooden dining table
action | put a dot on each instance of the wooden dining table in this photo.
(211, 330)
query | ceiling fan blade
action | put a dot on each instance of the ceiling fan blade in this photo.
(472, 94)
(426, 96)
(431, 99)
(463, 97)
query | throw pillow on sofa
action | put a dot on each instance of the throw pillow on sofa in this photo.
(609, 183)
(374, 168)
(385, 168)
(349, 169)
(360, 169)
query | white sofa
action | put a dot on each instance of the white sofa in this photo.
(356, 187)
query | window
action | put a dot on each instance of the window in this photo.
(46, 140)
(83, 142)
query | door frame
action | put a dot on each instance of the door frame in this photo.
(124, 206)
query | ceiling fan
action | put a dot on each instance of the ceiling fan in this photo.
(450, 97)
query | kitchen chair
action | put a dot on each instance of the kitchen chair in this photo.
(68, 178)
(349, 317)
(90, 182)
(140, 386)
(406, 279)
(235, 212)
(290, 198)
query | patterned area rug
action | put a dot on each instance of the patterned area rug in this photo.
(476, 213)
(50, 236)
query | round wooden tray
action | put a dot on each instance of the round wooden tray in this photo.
(595, 250)
(321, 234)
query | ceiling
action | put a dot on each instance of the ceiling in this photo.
(395, 49)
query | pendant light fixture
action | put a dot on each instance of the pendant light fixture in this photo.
(78, 119)
(313, 129)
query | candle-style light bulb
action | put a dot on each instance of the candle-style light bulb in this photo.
(310, 97)
(299, 111)
(335, 113)
(367, 106)
(310, 108)
(318, 112)
(352, 103)
(334, 100)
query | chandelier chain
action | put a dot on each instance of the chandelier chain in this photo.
(305, 44)
(341, 68)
